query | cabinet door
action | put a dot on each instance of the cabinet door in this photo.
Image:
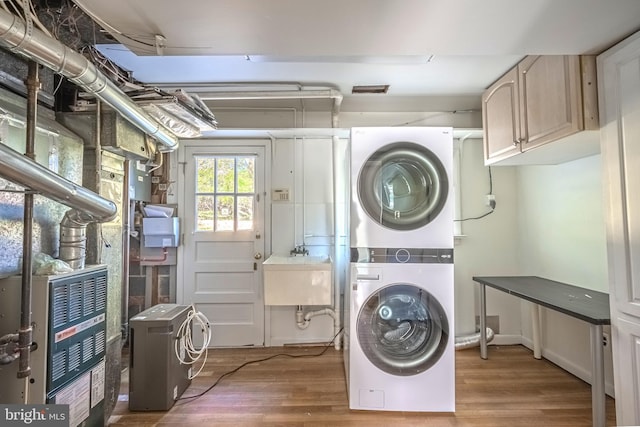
(550, 98)
(619, 90)
(501, 119)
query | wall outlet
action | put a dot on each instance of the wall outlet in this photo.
(605, 339)
(491, 201)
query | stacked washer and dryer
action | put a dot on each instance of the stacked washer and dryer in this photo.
(399, 333)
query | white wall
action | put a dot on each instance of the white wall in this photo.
(304, 166)
(489, 246)
(561, 223)
(562, 237)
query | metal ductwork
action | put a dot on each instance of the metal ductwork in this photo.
(37, 46)
(87, 206)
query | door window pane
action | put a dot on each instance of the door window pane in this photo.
(225, 193)
(205, 180)
(246, 174)
(224, 213)
(225, 175)
(245, 213)
(204, 212)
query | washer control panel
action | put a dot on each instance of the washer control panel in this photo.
(402, 255)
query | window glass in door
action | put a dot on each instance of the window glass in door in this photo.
(225, 189)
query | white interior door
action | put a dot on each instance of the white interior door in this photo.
(224, 219)
(619, 93)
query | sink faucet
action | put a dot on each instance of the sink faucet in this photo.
(299, 250)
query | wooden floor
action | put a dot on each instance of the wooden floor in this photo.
(511, 388)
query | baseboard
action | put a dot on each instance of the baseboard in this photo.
(504, 339)
(292, 341)
(569, 366)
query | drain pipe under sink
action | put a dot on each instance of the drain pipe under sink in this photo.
(304, 320)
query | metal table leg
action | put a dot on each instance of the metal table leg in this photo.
(598, 397)
(535, 324)
(483, 321)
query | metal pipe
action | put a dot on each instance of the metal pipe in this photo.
(97, 139)
(337, 259)
(36, 45)
(333, 94)
(126, 251)
(25, 331)
(87, 206)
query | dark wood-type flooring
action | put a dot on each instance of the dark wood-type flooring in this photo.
(511, 388)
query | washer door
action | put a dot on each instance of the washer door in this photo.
(403, 186)
(402, 329)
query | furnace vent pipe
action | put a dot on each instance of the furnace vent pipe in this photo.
(86, 206)
(37, 46)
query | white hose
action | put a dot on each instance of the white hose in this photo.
(184, 347)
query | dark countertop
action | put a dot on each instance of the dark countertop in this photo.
(585, 304)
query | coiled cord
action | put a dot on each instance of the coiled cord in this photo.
(184, 347)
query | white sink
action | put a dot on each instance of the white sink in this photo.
(297, 280)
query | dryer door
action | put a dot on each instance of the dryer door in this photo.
(402, 329)
(403, 186)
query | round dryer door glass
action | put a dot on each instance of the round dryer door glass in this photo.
(402, 329)
(403, 186)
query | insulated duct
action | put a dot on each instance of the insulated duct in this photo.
(87, 206)
(37, 46)
(472, 340)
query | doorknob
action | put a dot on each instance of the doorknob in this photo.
(257, 255)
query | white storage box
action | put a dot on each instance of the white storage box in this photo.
(161, 232)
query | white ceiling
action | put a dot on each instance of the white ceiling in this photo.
(341, 43)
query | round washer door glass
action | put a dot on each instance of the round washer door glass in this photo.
(403, 186)
(402, 329)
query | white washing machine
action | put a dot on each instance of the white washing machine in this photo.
(401, 193)
(400, 350)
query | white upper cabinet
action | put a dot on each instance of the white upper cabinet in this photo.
(542, 111)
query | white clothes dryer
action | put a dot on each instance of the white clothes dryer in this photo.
(401, 187)
(400, 354)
